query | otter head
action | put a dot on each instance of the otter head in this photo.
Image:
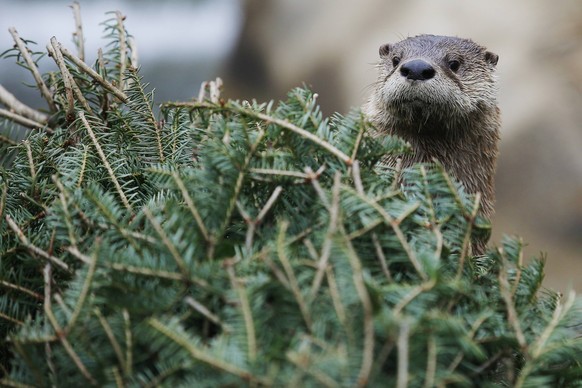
(429, 82)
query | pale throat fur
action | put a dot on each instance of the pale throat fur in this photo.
(439, 94)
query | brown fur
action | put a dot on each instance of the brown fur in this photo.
(451, 117)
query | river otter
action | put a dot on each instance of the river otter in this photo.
(439, 94)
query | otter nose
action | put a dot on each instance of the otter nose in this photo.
(417, 69)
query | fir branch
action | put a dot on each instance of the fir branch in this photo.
(328, 242)
(44, 91)
(133, 269)
(416, 291)
(86, 288)
(239, 182)
(302, 361)
(292, 280)
(105, 162)
(193, 209)
(178, 259)
(314, 179)
(204, 356)
(467, 240)
(512, 315)
(33, 248)
(379, 252)
(252, 224)
(361, 289)
(395, 225)
(538, 346)
(67, 216)
(24, 290)
(245, 308)
(114, 343)
(69, 348)
(518, 268)
(268, 120)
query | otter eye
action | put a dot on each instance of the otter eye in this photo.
(454, 65)
(395, 61)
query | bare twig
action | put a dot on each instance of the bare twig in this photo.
(202, 310)
(128, 341)
(93, 74)
(23, 120)
(30, 160)
(134, 54)
(33, 69)
(16, 106)
(122, 49)
(53, 49)
(78, 34)
(67, 77)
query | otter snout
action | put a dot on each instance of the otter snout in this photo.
(417, 70)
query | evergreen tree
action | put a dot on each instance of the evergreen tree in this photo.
(227, 243)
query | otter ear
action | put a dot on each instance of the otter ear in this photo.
(491, 58)
(385, 49)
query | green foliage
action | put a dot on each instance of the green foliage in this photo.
(228, 243)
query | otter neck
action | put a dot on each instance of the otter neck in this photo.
(467, 149)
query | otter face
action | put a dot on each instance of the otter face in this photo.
(435, 79)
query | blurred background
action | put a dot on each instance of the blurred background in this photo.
(263, 48)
